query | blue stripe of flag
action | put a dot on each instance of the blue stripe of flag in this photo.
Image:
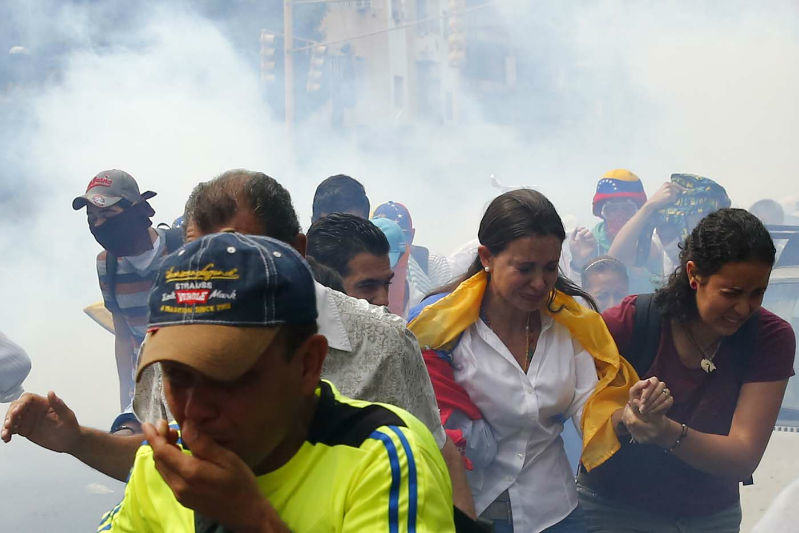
(393, 496)
(412, 485)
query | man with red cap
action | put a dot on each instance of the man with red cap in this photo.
(119, 218)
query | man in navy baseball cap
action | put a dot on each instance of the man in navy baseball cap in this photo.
(272, 447)
(218, 307)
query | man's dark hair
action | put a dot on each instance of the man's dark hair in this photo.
(335, 239)
(324, 275)
(214, 203)
(340, 194)
(725, 236)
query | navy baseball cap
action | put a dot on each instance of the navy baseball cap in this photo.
(218, 303)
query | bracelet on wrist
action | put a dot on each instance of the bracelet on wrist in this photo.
(683, 434)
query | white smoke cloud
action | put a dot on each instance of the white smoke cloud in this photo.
(655, 87)
(178, 108)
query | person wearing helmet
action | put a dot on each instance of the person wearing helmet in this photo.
(619, 195)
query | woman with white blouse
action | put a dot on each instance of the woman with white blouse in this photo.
(512, 356)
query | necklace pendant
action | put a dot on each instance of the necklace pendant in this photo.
(707, 365)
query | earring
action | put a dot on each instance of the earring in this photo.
(693, 284)
(486, 269)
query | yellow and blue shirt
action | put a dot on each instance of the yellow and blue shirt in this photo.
(364, 467)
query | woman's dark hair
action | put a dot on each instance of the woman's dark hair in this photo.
(517, 214)
(603, 263)
(724, 236)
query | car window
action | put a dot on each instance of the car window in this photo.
(782, 298)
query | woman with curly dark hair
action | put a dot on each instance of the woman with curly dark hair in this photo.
(726, 361)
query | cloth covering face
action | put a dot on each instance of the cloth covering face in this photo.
(363, 467)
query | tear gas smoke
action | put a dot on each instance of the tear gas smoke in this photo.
(170, 93)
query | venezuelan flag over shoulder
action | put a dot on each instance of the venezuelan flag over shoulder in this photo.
(439, 326)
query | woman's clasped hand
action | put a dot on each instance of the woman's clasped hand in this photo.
(644, 415)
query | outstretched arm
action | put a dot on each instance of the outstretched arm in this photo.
(49, 423)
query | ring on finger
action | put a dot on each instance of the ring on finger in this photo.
(666, 392)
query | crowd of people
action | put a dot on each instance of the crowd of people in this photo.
(349, 379)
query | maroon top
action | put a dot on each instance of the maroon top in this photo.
(646, 477)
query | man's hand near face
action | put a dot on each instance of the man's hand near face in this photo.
(213, 481)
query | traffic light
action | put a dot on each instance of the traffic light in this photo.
(315, 68)
(267, 56)
(456, 37)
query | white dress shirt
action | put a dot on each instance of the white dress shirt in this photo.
(526, 413)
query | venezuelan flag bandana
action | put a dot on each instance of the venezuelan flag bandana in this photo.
(439, 326)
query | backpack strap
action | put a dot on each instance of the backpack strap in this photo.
(174, 239)
(646, 334)
(111, 265)
(745, 339)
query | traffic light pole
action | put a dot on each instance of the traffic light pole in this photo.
(288, 64)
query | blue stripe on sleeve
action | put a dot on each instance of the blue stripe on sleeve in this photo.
(412, 485)
(393, 497)
(109, 517)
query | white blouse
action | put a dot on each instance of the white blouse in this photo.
(526, 413)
